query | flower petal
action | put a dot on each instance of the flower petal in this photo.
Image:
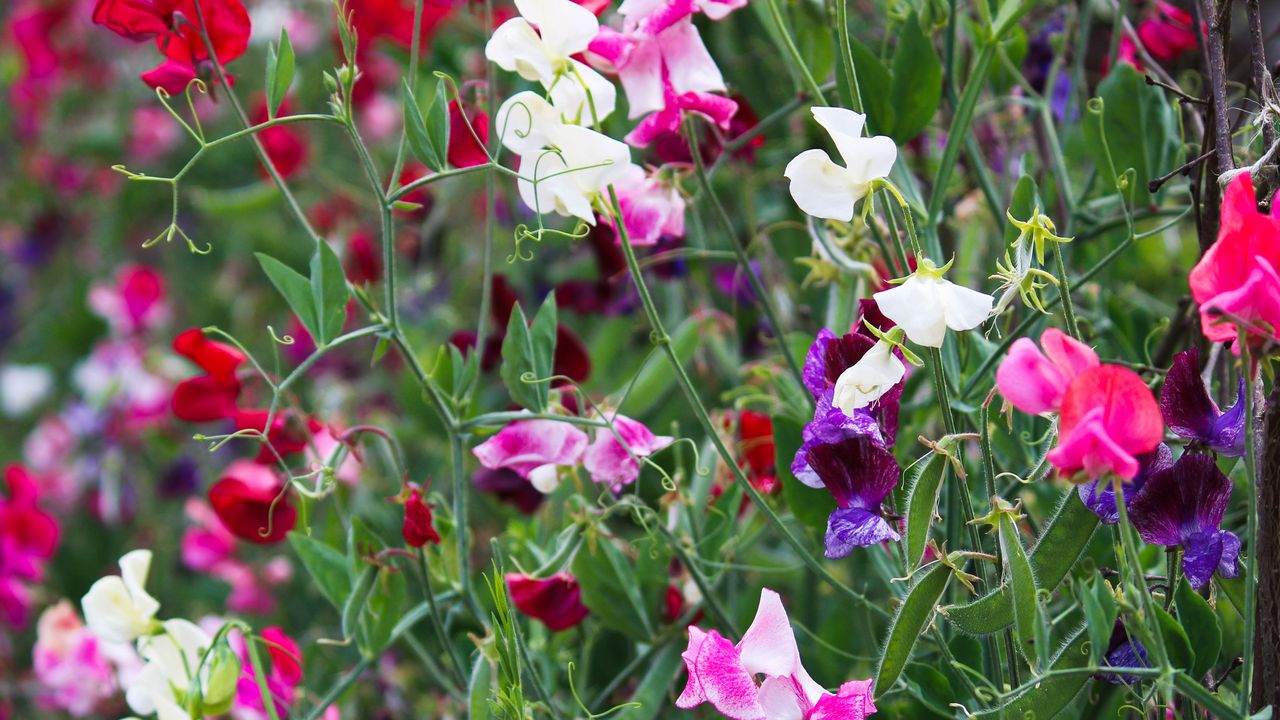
(848, 528)
(821, 188)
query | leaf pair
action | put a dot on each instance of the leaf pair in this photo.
(528, 355)
(280, 62)
(320, 302)
(428, 134)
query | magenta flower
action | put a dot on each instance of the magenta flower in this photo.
(28, 538)
(1035, 381)
(1108, 416)
(613, 456)
(1190, 412)
(134, 303)
(1183, 505)
(724, 674)
(533, 449)
(1237, 275)
(72, 672)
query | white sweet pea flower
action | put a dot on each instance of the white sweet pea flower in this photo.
(118, 609)
(926, 304)
(544, 55)
(824, 189)
(866, 380)
(572, 164)
(171, 656)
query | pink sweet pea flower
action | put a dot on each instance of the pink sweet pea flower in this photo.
(724, 674)
(651, 208)
(283, 677)
(1237, 275)
(134, 303)
(657, 15)
(28, 538)
(1108, 417)
(1168, 32)
(1035, 381)
(72, 674)
(613, 456)
(533, 449)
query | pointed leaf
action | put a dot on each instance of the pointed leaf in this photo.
(296, 290)
(438, 125)
(1201, 625)
(1176, 642)
(280, 64)
(1100, 616)
(611, 590)
(916, 87)
(329, 292)
(326, 565)
(518, 363)
(922, 501)
(415, 130)
(542, 338)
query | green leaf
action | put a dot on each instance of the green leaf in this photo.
(1176, 642)
(480, 689)
(329, 292)
(1021, 580)
(1201, 625)
(611, 589)
(279, 72)
(438, 125)
(655, 378)
(924, 487)
(874, 88)
(518, 361)
(1140, 129)
(358, 599)
(542, 338)
(296, 290)
(415, 130)
(652, 691)
(930, 685)
(1100, 616)
(1047, 698)
(326, 565)
(811, 506)
(909, 622)
(1053, 556)
(916, 87)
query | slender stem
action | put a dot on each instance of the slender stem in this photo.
(339, 687)
(437, 622)
(959, 129)
(460, 517)
(740, 252)
(789, 44)
(260, 677)
(1251, 564)
(414, 50)
(663, 340)
(1261, 77)
(1064, 292)
(1217, 64)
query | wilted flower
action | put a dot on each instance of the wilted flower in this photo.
(824, 189)
(724, 674)
(926, 304)
(1190, 412)
(555, 601)
(545, 55)
(1183, 505)
(118, 609)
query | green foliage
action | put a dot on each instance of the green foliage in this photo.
(528, 352)
(910, 621)
(320, 302)
(1134, 127)
(280, 62)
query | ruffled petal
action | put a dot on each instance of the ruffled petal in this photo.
(916, 306)
(850, 528)
(822, 188)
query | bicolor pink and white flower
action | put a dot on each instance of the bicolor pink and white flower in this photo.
(135, 302)
(651, 207)
(72, 672)
(534, 449)
(1034, 379)
(824, 189)
(725, 675)
(614, 456)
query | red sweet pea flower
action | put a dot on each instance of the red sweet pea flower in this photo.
(289, 432)
(362, 262)
(1238, 274)
(28, 538)
(555, 601)
(464, 151)
(211, 396)
(250, 501)
(1108, 418)
(284, 144)
(755, 432)
(176, 26)
(393, 20)
(417, 529)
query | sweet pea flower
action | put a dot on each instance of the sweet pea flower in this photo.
(826, 190)
(171, 657)
(23, 388)
(613, 456)
(252, 502)
(28, 538)
(118, 609)
(533, 449)
(1237, 274)
(828, 359)
(72, 673)
(564, 168)
(1100, 495)
(555, 601)
(926, 304)
(213, 395)
(539, 46)
(1191, 413)
(283, 677)
(651, 207)
(134, 303)
(866, 381)
(1108, 416)
(1034, 381)
(178, 30)
(654, 16)
(1183, 505)
(724, 674)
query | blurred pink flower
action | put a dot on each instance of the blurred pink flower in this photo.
(28, 539)
(133, 303)
(651, 208)
(72, 674)
(533, 449)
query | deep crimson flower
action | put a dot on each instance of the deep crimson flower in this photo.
(417, 528)
(393, 20)
(284, 144)
(289, 432)
(464, 150)
(555, 601)
(177, 28)
(755, 433)
(251, 502)
(211, 396)
(28, 537)
(362, 262)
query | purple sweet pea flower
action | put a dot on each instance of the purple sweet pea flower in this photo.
(1099, 496)
(831, 425)
(1183, 505)
(828, 357)
(859, 472)
(1123, 651)
(1190, 412)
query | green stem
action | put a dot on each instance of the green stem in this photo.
(740, 252)
(437, 622)
(1064, 292)
(338, 688)
(663, 340)
(461, 514)
(1251, 563)
(789, 44)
